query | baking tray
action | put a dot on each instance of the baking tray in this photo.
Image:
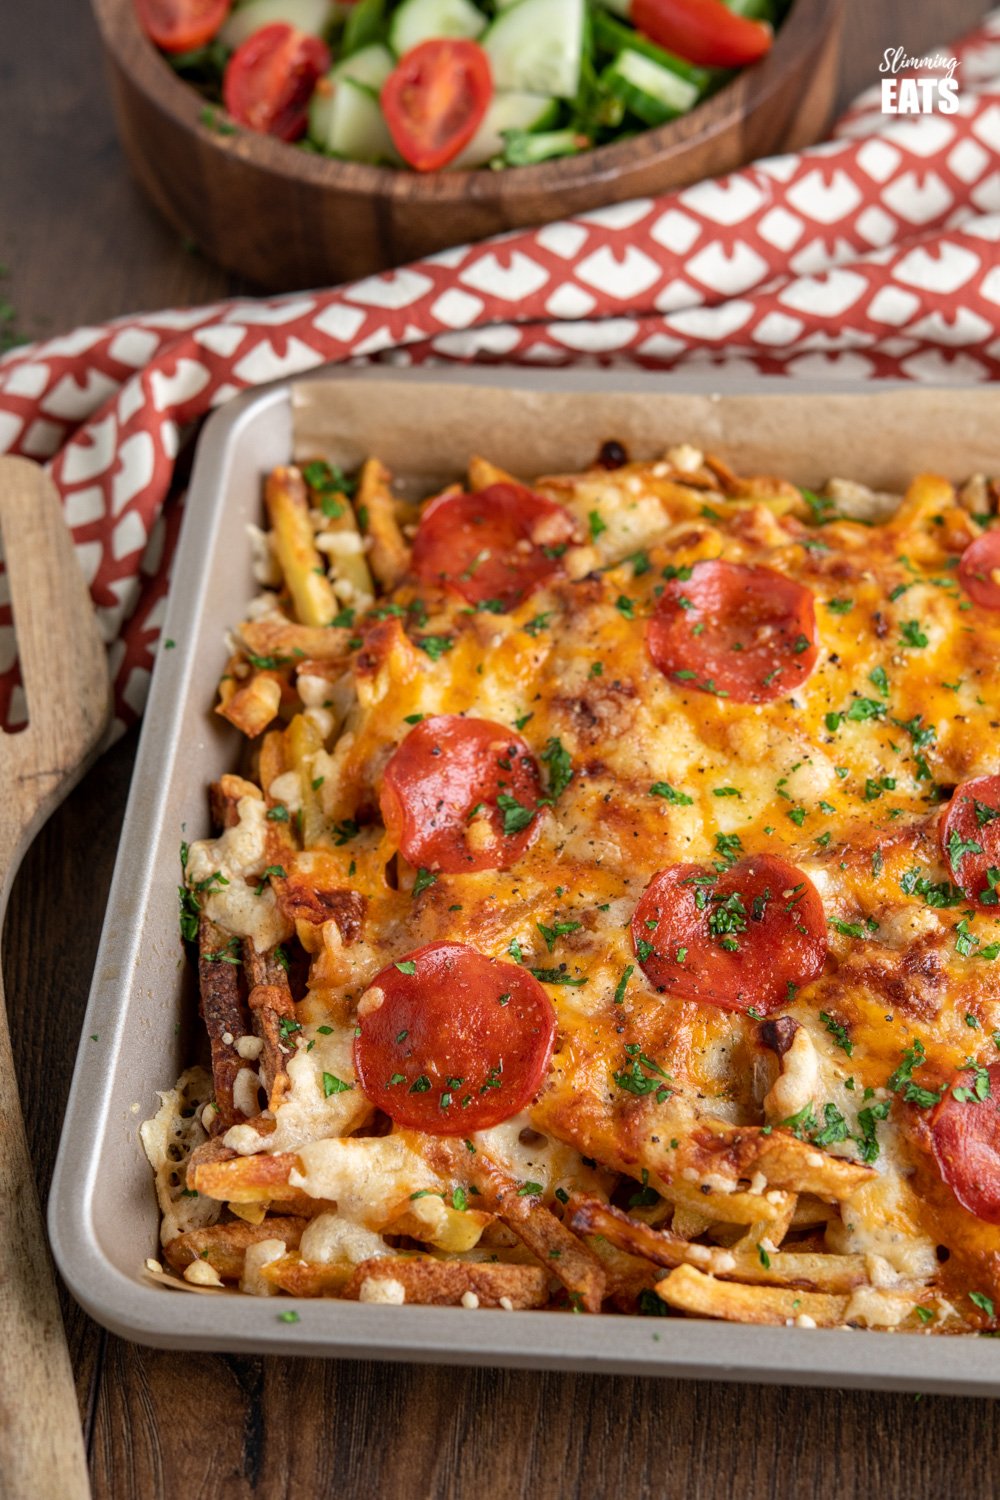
(103, 1217)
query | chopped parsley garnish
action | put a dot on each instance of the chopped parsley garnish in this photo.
(435, 646)
(425, 879)
(516, 816)
(324, 477)
(868, 1118)
(406, 966)
(538, 624)
(334, 1085)
(838, 1032)
(555, 932)
(622, 984)
(556, 976)
(597, 526)
(642, 1076)
(912, 634)
(560, 768)
(670, 794)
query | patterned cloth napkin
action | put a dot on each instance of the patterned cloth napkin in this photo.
(874, 254)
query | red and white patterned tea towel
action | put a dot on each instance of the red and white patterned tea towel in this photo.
(874, 254)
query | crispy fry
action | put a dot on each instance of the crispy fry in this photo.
(287, 501)
(245, 1179)
(251, 705)
(340, 541)
(225, 1015)
(834, 1273)
(444, 1283)
(482, 474)
(225, 794)
(280, 639)
(692, 1291)
(568, 1259)
(224, 1246)
(302, 1278)
(389, 555)
(626, 1276)
(272, 1010)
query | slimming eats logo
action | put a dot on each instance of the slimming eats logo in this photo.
(918, 96)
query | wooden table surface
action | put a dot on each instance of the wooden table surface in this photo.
(78, 245)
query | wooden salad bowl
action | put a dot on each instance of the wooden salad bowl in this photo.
(287, 218)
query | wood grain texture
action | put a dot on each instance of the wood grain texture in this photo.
(238, 195)
(83, 245)
(65, 676)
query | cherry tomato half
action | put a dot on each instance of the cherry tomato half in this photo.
(704, 31)
(434, 101)
(181, 25)
(270, 79)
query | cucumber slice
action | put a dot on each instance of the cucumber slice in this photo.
(524, 149)
(356, 126)
(320, 106)
(312, 16)
(369, 69)
(535, 46)
(371, 66)
(653, 93)
(419, 21)
(612, 37)
(506, 112)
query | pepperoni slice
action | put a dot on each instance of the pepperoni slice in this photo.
(970, 837)
(748, 937)
(979, 570)
(452, 1041)
(461, 794)
(965, 1135)
(496, 544)
(748, 634)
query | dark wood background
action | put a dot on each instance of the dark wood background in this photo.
(78, 245)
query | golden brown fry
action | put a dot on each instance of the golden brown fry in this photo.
(247, 1179)
(752, 486)
(272, 1010)
(224, 1246)
(287, 501)
(302, 741)
(566, 1257)
(301, 1278)
(342, 545)
(482, 474)
(831, 1273)
(251, 705)
(626, 1276)
(225, 1015)
(224, 796)
(389, 555)
(692, 1291)
(289, 643)
(444, 1283)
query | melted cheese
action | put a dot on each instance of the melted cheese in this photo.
(369, 1178)
(837, 777)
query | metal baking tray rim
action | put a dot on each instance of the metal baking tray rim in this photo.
(150, 1314)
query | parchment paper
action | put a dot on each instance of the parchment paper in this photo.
(425, 429)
